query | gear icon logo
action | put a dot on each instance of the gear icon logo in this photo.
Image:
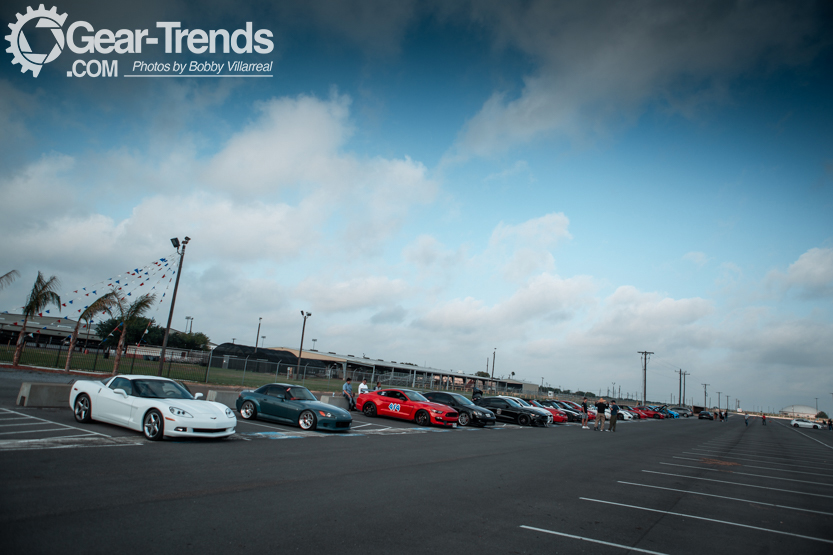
(19, 46)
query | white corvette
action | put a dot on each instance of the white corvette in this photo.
(157, 406)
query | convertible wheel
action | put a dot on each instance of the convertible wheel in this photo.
(154, 425)
(82, 408)
(307, 420)
(463, 419)
(248, 410)
(422, 418)
(524, 420)
(369, 409)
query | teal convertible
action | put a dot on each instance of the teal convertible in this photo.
(292, 404)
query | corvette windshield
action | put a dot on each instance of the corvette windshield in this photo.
(160, 389)
(300, 394)
(414, 396)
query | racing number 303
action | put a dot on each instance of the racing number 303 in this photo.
(394, 407)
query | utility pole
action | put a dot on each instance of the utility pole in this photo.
(680, 387)
(705, 387)
(684, 375)
(718, 401)
(817, 406)
(494, 353)
(644, 374)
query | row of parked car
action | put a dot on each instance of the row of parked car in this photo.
(160, 407)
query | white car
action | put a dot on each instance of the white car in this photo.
(626, 415)
(804, 423)
(156, 406)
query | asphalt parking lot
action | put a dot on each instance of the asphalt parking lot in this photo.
(683, 486)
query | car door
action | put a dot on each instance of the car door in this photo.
(113, 407)
(403, 407)
(503, 411)
(270, 401)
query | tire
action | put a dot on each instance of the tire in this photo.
(307, 420)
(795, 425)
(524, 420)
(248, 411)
(422, 418)
(620, 417)
(369, 409)
(463, 419)
(815, 427)
(153, 425)
(82, 408)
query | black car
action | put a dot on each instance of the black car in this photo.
(572, 414)
(508, 410)
(704, 414)
(468, 413)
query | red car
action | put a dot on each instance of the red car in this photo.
(651, 413)
(591, 409)
(406, 404)
(558, 416)
(638, 412)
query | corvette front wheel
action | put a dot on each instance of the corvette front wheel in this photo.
(153, 425)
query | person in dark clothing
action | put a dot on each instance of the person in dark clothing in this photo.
(584, 415)
(763, 418)
(830, 424)
(601, 407)
(614, 416)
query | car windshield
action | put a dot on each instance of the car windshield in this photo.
(513, 402)
(160, 389)
(414, 396)
(462, 400)
(522, 402)
(299, 394)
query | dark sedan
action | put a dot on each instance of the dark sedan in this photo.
(469, 414)
(705, 415)
(509, 410)
(292, 404)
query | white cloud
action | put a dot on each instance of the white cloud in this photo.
(811, 275)
(698, 258)
(352, 295)
(524, 249)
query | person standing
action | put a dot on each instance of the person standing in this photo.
(601, 407)
(363, 388)
(378, 386)
(584, 415)
(347, 392)
(763, 418)
(830, 424)
(614, 416)
(746, 420)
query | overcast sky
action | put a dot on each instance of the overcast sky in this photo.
(566, 182)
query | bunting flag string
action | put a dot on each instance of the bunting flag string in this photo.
(146, 279)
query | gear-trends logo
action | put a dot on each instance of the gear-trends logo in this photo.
(19, 46)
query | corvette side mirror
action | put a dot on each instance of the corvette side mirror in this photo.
(121, 392)
(198, 396)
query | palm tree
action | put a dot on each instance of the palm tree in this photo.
(102, 304)
(128, 313)
(42, 295)
(6, 279)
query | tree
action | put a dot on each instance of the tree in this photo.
(822, 415)
(127, 314)
(482, 374)
(42, 295)
(6, 279)
(102, 304)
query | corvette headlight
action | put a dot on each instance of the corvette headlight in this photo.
(179, 412)
(229, 412)
(325, 414)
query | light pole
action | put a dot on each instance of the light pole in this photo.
(313, 344)
(175, 243)
(493, 369)
(232, 340)
(187, 321)
(263, 342)
(191, 329)
(257, 336)
(304, 315)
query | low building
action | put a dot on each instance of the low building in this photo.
(798, 411)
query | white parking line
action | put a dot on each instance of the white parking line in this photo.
(729, 498)
(753, 466)
(766, 456)
(753, 460)
(738, 484)
(33, 431)
(710, 520)
(748, 474)
(796, 430)
(24, 424)
(628, 547)
(7, 411)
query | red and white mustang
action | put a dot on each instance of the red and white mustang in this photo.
(156, 406)
(406, 404)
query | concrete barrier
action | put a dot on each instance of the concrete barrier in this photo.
(338, 401)
(44, 395)
(228, 398)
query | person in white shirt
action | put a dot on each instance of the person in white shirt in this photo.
(363, 387)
